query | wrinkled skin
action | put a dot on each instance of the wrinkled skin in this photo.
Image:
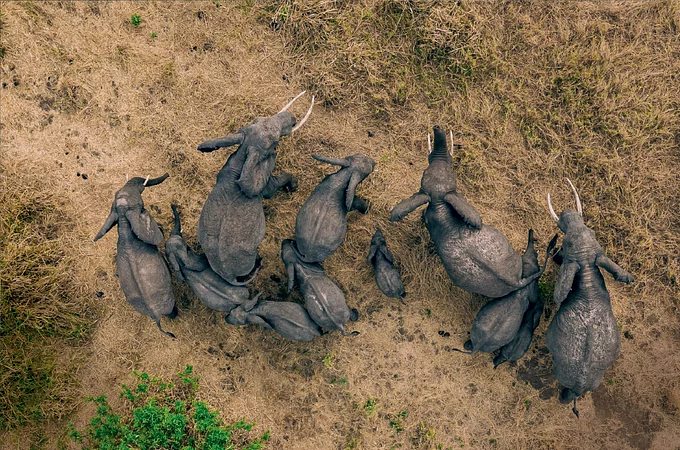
(324, 300)
(498, 322)
(288, 319)
(232, 222)
(386, 275)
(193, 268)
(582, 337)
(142, 271)
(477, 257)
(321, 224)
(516, 348)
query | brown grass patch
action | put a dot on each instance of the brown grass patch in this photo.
(533, 91)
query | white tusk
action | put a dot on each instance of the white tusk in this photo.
(451, 136)
(147, 180)
(292, 101)
(304, 119)
(552, 211)
(578, 200)
(127, 178)
(429, 144)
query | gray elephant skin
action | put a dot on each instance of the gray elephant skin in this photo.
(321, 223)
(477, 257)
(386, 274)
(193, 268)
(324, 300)
(583, 337)
(288, 319)
(232, 222)
(499, 321)
(142, 271)
(515, 349)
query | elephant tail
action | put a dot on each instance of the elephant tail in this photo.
(167, 333)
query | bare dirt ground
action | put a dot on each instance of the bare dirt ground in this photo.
(589, 91)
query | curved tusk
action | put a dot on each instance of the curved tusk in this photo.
(429, 144)
(578, 200)
(552, 211)
(304, 119)
(147, 180)
(127, 178)
(451, 137)
(292, 101)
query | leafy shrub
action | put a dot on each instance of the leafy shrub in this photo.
(164, 415)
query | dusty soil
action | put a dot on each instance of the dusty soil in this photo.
(87, 98)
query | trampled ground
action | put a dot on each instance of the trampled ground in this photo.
(533, 92)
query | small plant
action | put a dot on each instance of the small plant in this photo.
(135, 20)
(397, 424)
(153, 34)
(328, 361)
(370, 407)
(163, 415)
(339, 381)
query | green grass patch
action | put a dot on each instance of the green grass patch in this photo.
(40, 316)
(164, 415)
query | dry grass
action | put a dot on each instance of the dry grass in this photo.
(533, 91)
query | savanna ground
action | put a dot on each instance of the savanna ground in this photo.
(533, 91)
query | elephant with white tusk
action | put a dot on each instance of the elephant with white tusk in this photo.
(143, 273)
(583, 337)
(232, 222)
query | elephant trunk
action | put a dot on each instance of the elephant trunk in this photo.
(155, 181)
(177, 230)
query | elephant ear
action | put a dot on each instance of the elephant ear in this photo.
(388, 254)
(110, 222)
(144, 227)
(371, 252)
(342, 162)
(354, 181)
(255, 172)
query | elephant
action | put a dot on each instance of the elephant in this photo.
(386, 275)
(498, 322)
(516, 348)
(321, 223)
(288, 319)
(232, 222)
(477, 257)
(193, 268)
(142, 270)
(324, 300)
(582, 338)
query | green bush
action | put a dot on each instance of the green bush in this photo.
(164, 415)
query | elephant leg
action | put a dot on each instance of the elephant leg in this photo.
(359, 204)
(276, 182)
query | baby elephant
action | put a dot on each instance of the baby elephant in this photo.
(193, 268)
(582, 337)
(321, 224)
(498, 322)
(143, 273)
(323, 298)
(514, 350)
(288, 319)
(386, 275)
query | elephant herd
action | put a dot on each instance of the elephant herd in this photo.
(582, 337)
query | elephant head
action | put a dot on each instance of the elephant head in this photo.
(259, 141)
(128, 202)
(360, 166)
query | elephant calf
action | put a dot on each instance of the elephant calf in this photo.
(583, 337)
(324, 300)
(193, 268)
(143, 273)
(516, 348)
(288, 319)
(498, 322)
(386, 275)
(321, 223)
